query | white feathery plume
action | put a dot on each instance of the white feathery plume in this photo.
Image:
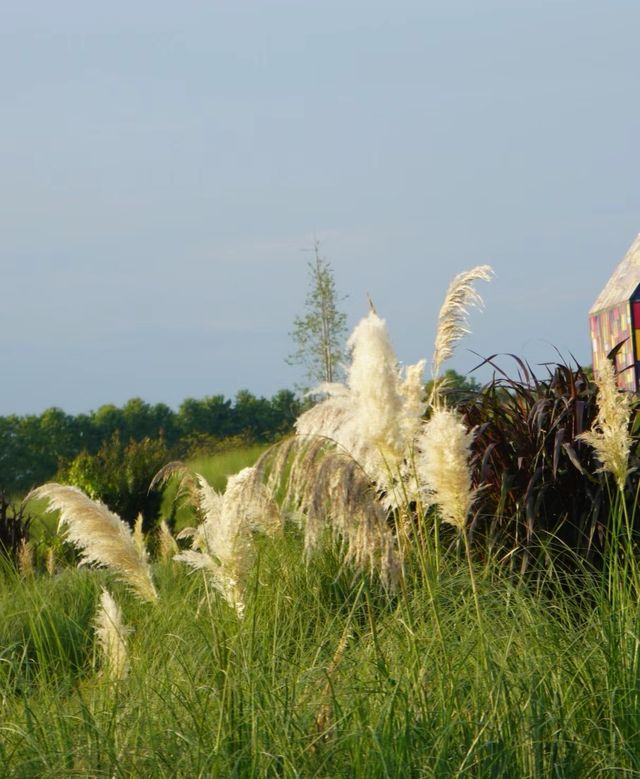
(331, 492)
(443, 452)
(222, 544)
(375, 431)
(262, 513)
(610, 433)
(454, 313)
(414, 404)
(101, 536)
(375, 416)
(327, 419)
(111, 634)
(412, 390)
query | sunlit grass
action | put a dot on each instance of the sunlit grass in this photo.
(216, 469)
(545, 683)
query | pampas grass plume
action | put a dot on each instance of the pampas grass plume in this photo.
(111, 635)
(102, 537)
(453, 316)
(442, 462)
(222, 544)
(375, 416)
(610, 436)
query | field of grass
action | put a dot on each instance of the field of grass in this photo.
(215, 469)
(326, 676)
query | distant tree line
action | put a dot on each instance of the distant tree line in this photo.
(34, 448)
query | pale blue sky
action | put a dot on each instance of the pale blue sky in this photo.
(164, 166)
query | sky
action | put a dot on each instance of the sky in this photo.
(166, 167)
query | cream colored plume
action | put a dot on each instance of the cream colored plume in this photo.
(375, 416)
(610, 432)
(222, 545)
(111, 637)
(442, 458)
(102, 537)
(453, 316)
(412, 391)
(377, 406)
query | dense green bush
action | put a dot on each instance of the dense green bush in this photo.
(119, 475)
(14, 529)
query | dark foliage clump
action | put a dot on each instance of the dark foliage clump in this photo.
(14, 528)
(540, 485)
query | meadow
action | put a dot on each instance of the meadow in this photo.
(325, 676)
(402, 589)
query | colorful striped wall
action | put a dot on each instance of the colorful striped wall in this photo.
(609, 328)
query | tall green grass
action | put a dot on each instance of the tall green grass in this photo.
(215, 468)
(327, 676)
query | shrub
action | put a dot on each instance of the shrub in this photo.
(14, 529)
(119, 475)
(539, 481)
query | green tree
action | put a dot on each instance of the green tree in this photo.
(212, 415)
(119, 475)
(319, 334)
(253, 416)
(455, 386)
(286, 409)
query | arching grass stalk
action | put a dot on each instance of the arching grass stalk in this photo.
(476, 598)
(453, 320)
(102, 537)
(322, 720)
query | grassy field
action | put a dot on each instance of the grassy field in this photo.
(326, 676)
(215, 469)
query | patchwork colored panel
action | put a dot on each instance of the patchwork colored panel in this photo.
(615, 317)
(609, 328)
